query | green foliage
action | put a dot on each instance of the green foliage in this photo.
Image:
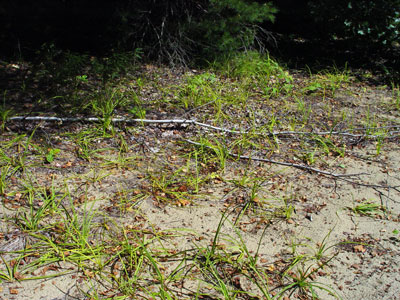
(59, 65)
(200, 89)
(112, 66)
(365, 19)
(178, 31)
(66, 66)
(257, 69)
(230, 25)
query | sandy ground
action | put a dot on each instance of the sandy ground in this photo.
(370, 270)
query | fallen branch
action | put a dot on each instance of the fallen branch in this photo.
(194, 122)
(298, 166)
(204, 125)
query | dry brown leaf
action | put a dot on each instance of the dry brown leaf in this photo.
(88, 273)
(67, 164)
(359, 248)
(271, 268)
(183, 202)
(183, 188)
(17, 196)
(18, 276)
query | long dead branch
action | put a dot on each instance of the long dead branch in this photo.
(204, 125)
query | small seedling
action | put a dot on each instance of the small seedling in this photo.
(368, 208)
(301, 280)
(314, 86)
(51, 153)
(81, 79)
(288, 208)
(11, 271)
(138, 112)
(379, 144)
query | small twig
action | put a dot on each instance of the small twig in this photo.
(199, 107)
(373, 186)
(298, 166)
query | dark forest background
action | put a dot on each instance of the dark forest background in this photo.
(363, 33)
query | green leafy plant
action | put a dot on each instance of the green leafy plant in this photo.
(177, 187)
(192, 169)
(235, 30)
(138, 109)
(328, 146)
(304, 109)
(313, 87)
(288, 208)
(138, 112)
(85, 141)
(253, 186)
(303, 269)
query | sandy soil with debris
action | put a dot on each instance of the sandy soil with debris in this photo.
(366, 247)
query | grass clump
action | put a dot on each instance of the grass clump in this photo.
(327, 83)
(233, 271)
(258, 71)
(199, 90)
(105, 103)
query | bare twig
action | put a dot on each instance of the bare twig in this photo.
(298, 166)
(374, 186)
(199, 107)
